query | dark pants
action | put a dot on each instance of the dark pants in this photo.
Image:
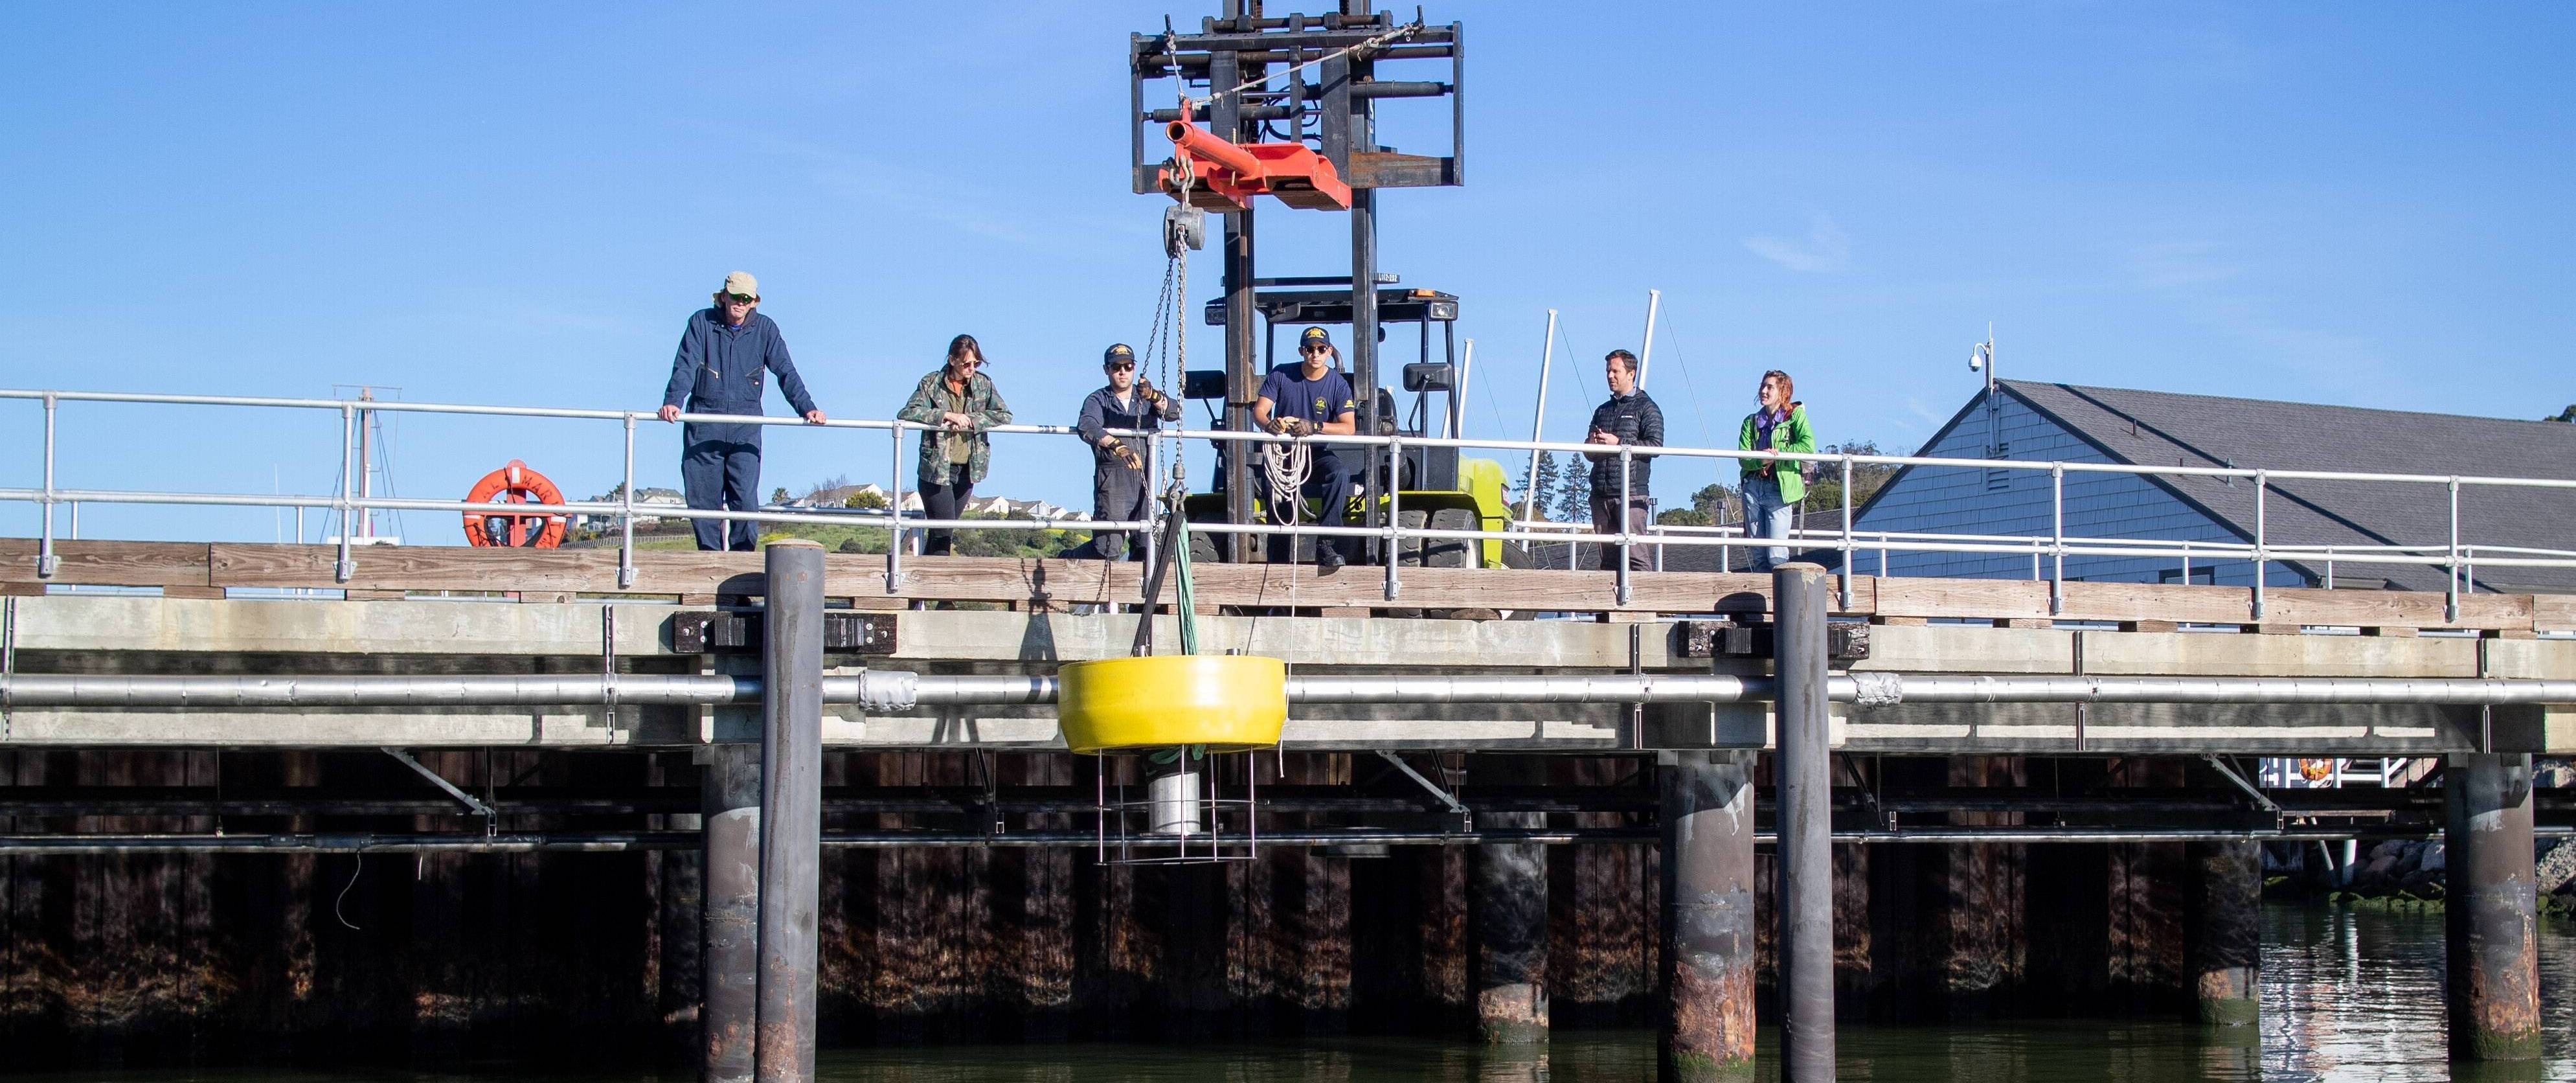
(723, 474)
(1118, 492)
(944, 499)
(1332, 484)
(1605, 520)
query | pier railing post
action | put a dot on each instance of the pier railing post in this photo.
(2491, 913)
(1806, 889)
(791, 809)
(1708, 956)
(731, 804)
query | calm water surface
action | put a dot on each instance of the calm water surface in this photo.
(2347, 995)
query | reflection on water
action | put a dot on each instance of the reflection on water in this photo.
(2347, 995)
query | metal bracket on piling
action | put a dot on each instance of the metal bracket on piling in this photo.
(491, 817)
(1427, 784)
(2239, 781)
(8, 664)
(608, 664)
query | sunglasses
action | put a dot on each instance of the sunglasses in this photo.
(1122, 366)
(741, 299)
(1316, 349)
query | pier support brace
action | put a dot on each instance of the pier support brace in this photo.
(2222, 930)
(1708, 956)
(1507, 922)
(730, 796)
(791, 810)
(1806, 888)
(2491, 911)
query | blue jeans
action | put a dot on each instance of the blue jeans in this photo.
(1767, 516)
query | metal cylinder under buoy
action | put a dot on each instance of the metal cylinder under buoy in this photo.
(1175, 796)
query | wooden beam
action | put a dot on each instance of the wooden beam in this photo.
(204, 567)
(112, 563)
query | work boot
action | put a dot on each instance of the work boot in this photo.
(1328, 558)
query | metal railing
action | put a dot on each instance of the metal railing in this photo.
(2049, 552)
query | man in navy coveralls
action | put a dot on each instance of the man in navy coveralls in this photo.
(724, 353)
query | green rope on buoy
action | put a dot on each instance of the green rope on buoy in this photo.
(1183, 607)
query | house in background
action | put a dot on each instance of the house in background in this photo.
(2043, 422)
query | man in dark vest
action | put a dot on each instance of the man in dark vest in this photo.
(725, 352)
(1628, 418)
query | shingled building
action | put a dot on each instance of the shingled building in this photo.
(2044, 422)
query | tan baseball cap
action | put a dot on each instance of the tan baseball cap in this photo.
(741, 282)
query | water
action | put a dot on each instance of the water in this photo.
(2347, 995)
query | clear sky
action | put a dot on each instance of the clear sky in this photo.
(2366, 204)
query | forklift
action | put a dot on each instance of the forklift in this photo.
(1436, 487)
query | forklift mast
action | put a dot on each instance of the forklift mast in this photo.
(1311, 81)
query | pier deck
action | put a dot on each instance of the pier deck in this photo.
(221, 611)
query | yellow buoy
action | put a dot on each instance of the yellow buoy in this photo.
(1226, 702)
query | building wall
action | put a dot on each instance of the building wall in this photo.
(2016, 503)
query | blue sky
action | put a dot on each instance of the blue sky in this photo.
(2361, 204)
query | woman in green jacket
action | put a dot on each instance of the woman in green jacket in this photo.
(1773, 488)
(960, 400)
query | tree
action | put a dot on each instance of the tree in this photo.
(1716, 503)
(1574, 494)
(865, 498)
(1543, 497)
(1826, 493)
(778, 495)
(1684, 517)
(2568, 414)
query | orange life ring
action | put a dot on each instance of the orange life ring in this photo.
(514, 484)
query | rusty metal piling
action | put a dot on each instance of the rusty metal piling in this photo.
(731, 800)
(1708, 958)
(2491, 911)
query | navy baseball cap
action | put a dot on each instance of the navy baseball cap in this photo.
(1117, 352)
(1314, 336)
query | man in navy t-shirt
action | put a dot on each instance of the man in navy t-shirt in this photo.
(1314, 399)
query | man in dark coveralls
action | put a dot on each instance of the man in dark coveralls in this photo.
(1119, 488)
(725, 351)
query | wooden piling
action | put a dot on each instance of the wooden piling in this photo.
(1507, 922)
(2222, 930)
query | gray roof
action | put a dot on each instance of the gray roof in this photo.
(2160, 428)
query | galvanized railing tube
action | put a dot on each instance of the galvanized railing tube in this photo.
(46, 562)
(626, 515)
(1147, 538)
(2451, 591)
(1392, 545)
(346, 567)
(2262, 535)
(1627, 460)
(894, 510)
(2057, 538)
(1848, 570)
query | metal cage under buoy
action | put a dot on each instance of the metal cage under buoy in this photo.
(1174, 735)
